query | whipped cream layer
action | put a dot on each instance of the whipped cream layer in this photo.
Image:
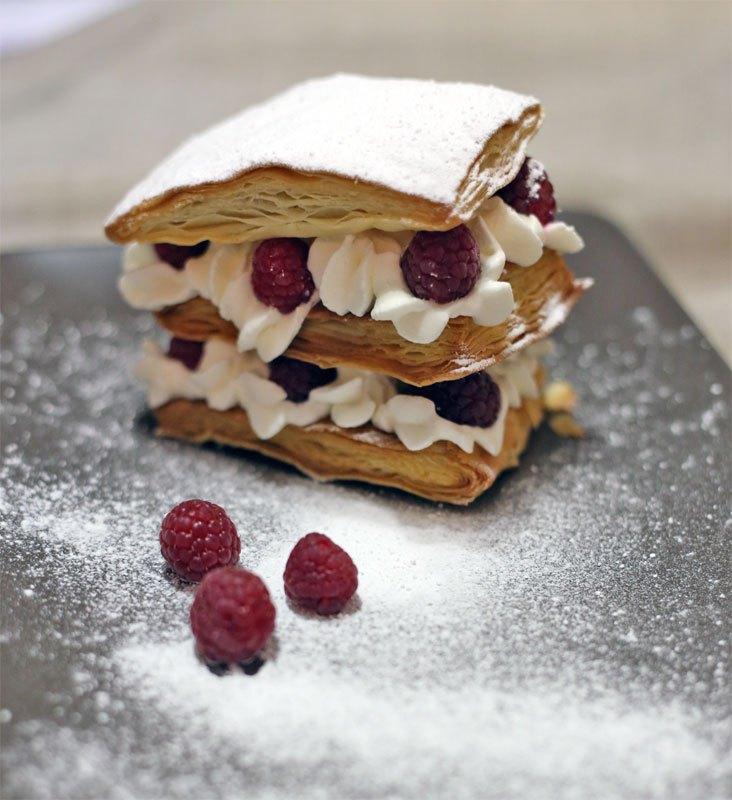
(225, 378)
(361, 272)
(354, 274)
(416, 423)
(223, 276)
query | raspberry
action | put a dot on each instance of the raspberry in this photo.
(280, 275)
(320, 575)
(475, 400)
(197, 536)
(232, 615)
(298, 378)
(177, 254)
(531, 192)
(186, 351)
(441, 265)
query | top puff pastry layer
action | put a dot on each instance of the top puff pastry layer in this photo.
(333, 156)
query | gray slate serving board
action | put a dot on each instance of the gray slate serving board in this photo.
(566, 636)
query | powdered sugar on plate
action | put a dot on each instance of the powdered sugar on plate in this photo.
(563, 637)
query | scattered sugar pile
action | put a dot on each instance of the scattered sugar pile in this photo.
(563, 637)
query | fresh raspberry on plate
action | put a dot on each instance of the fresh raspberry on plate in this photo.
(188, 352)
(531, 192)
(197, 536)
(298, 378)
(320, 575)
(177, 254)
(441, 265)
(280, 274)
(232, 615)
(474, 400)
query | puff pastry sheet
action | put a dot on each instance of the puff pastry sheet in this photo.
(442, 472)
(544, 293)
(334, 156)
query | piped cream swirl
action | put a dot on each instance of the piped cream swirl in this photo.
(416, 423)
(223, 276)
(225, 378)
(359, 273)
(362, 272)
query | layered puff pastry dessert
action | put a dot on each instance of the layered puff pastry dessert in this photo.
(359, 277)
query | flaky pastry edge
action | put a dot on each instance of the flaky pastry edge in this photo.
(323, 451)
(277, 200)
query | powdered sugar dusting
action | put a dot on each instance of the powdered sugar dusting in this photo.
(416, 137)
(536, 171)
(563, 637)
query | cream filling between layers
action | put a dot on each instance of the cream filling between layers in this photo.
(223, 276)
(355, 274)
(226, 379)
(362, 272)
(416, 423)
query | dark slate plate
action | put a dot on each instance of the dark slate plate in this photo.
(566, 636)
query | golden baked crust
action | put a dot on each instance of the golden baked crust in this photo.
(274, 201)
(377, 153)
(544, 293)
(442, 472)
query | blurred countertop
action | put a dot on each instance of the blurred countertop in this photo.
(637, 97)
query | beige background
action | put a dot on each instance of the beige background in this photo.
(637, 94)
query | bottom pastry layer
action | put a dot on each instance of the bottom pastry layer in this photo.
(441, 472)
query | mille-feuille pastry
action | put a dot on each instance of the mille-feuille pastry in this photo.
(355, 274)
